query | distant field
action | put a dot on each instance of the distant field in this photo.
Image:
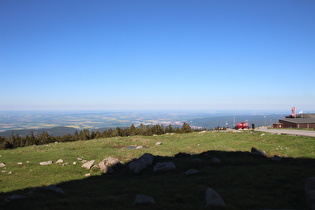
(244, 181)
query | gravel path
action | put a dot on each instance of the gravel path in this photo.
(288, 132)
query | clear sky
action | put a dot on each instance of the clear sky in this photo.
(157, 54)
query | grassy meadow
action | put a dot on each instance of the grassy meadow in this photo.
(244, 181)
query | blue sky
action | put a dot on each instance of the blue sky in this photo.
(157, 54)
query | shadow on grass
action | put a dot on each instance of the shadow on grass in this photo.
(243, 180)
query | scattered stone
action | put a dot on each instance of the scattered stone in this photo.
(216, 160)
(140, 147)
(2, 165)
(83, 161)
(56, 142)
(19, 163)
(105, 169)
(64, 164)
(87, 174)
(141, 163)
(74, 163)
(191, 171)
(196, 160)
(53, 188)
(10, 172)
(262, 134)
(214, 199)
(158, 143)
(89, 164)
(110, 161)
(258, 152)
(143, 199)
(14, 197)
(44, 163)
(276, 158)
(79, 159)
(59, 161)
(164, 166)
(201, 132)
(27, 161)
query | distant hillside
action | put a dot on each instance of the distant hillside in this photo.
(228, 121)
(56, 131)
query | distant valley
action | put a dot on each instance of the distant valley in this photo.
(67, 122)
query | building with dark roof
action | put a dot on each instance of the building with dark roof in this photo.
(304, 122)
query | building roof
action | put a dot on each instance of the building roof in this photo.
(298, 120)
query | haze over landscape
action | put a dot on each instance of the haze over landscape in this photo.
(157, 55)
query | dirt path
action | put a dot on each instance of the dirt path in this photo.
(288, 132)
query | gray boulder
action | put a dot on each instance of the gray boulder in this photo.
(2, 165)
(141, 163)
(53, 188)
(258, 152)
(213, 198)
(110, 161)
(14, 197)
(158, 143)
(89, 164)
(104, 168)
(45, 163)
(59, 161)
(191, 171)
(164, 166)
(216, 160)
(276, 158)
(143, 199)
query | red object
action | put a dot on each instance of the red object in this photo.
(293, 112)
(241, 125)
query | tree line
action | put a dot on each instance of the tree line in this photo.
(15, 140)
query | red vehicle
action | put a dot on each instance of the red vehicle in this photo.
(241, 125)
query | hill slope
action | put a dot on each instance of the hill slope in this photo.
(244, 181)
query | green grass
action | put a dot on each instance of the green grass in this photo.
(244, 181)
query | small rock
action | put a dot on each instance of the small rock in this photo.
(64, 164)
(19, 163)
(140, 147)
(14, 197)
(44, 163)
(258, 152)
(27, 161)
(141, 163)
(56, 142)
(10, 172)
(196, 160)
(74, 163)
(262, 134)
(54, 188)
(164, 166)
(87, 174)
(276, 158)
(110, 161)
(216, 160)
(89, 164)
(83, 161)
(2, 165)
(158, 143)
(106, 169)
(59, 161)
(79, 159)
(191, 171)
(213, 198)
(143, 199)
